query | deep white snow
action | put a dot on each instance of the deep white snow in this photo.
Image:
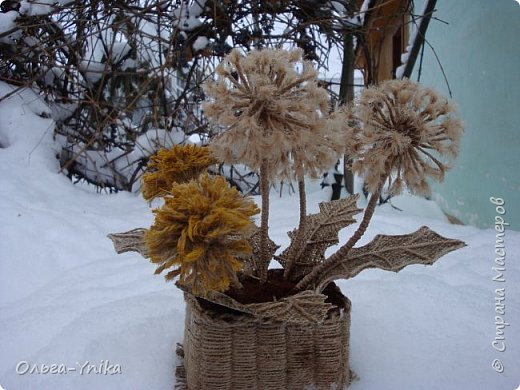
(67, 299)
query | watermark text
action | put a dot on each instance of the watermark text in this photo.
(104, 367)
(499, 276)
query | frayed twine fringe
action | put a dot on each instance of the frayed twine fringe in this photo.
(180, 372)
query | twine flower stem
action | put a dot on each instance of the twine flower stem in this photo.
(298, 244)
(345, 249)
(264, 224)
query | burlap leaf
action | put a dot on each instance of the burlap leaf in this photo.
(131, 241)
(391, 253)
(219, 298)
(250, 263)
(302, 308)
(320, 232)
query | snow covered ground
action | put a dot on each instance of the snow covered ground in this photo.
(67, 299)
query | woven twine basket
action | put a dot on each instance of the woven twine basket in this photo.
(235, 350)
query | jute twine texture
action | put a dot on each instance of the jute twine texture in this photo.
(235, 351)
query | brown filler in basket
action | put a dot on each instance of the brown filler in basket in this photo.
(228, 349)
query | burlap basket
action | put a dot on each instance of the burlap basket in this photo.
(234, 350)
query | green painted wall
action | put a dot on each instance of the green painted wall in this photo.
(480, 52)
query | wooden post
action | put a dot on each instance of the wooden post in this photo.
(419, 38)
(346, 95)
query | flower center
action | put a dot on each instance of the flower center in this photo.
(407, 129)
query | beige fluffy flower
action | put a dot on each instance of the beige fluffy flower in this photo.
(272, 114)
(403, 133)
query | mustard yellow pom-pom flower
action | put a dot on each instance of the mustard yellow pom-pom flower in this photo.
(200, 232)
(176, 165)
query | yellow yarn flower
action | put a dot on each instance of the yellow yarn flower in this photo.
(403, 133)
(201, 230)
(272, 114)
(176, 165)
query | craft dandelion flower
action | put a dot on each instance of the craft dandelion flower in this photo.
(404, 133)
(201, 231)
(176, 165)
(272, 114)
